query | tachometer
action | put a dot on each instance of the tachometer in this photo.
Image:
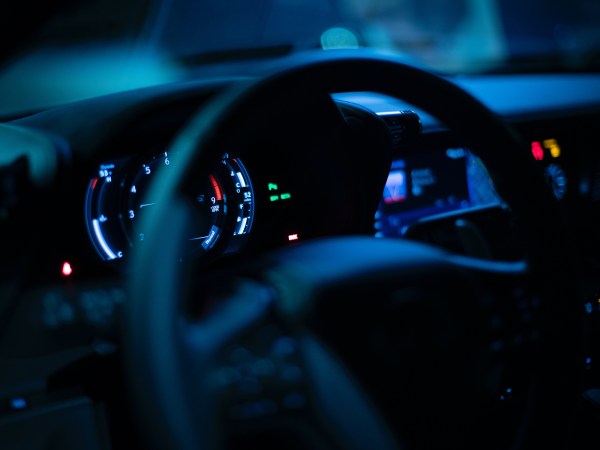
(210, 201)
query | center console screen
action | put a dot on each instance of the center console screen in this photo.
(428, 183)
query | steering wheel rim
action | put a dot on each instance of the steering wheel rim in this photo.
(153, 314)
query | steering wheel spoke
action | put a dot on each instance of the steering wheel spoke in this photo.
(268, 380)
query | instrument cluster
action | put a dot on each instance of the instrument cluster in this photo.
(118, 197)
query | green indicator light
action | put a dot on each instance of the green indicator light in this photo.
(274, 197)
(285, 196)
(272, 187)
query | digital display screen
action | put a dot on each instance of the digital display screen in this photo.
(395, 188)
(428, 183)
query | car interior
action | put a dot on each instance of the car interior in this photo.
(342, 224)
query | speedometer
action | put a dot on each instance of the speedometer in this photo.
(117, 199)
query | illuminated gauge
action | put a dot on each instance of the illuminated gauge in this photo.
(118, 199)
(242, 193)
(558, 180)
(102, 215)
(210, 201)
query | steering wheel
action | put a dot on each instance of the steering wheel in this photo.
(354, 342)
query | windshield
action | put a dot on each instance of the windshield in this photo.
(101, 46)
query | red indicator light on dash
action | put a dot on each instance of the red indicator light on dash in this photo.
(67, 270)
(537, 151)
(293, 237)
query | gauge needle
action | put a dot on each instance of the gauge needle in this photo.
(147, 204)
(198, 238)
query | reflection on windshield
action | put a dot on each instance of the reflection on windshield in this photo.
(105, 46)
(446, 34)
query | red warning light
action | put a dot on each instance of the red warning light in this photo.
(537, 151)
(293, 237)
(66, 269)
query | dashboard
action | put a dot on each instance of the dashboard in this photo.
(336, 165)
(429, 177)
(433, 180)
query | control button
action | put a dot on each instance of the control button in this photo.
(98, 306)
(57, 311)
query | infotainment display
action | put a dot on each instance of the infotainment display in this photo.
(431, 182)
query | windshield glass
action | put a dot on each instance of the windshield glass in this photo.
(100, 46)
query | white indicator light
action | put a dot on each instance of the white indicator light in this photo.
(293, 237)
